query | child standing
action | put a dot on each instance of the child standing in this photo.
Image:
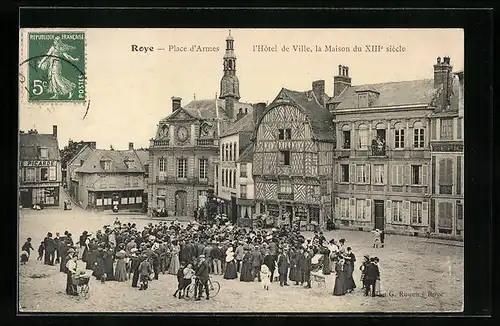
(145, 269)
(376, 238)
(265, 276)
(180, 280)
(26, 249)
(41, 249)
(188, 275)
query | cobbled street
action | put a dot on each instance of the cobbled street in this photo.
(417, 274)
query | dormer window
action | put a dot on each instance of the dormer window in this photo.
(128, 163)
(362, 100)
(44, 153)
(106, 165)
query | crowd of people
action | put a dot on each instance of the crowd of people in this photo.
(122, 252)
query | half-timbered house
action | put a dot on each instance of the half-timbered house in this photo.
(293, 157)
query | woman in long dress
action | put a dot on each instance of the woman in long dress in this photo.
(109, 264)
(327, 270)
(246, 266)
(294, 275)
(91, 256)
(121, 271)
(58, 85)
(230, 272)
(175, 264)
(350, 259)
(340, 278)
(99, 269)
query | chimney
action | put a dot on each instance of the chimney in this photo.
(92, 144)
(258, 111)
(54, 131)
(130, 146)
(318, 88)
(240, 114)
(341, 81)
(443, 77)
(176, 103)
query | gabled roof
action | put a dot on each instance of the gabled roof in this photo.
(85, 145)
(247, 155)
(117, 158)
(30, 143)
(205, 109)
(319, 117)
(390, 94)
(246, 123)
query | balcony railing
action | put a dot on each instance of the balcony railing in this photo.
(157, 143)
(378, 148)
(206, 142)
(285, 196)
(170, 179)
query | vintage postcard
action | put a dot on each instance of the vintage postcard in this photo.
(241, 170)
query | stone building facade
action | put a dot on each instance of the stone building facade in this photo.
(385, 139)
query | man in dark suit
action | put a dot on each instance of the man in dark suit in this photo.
(202, 278)
(283, 266)
(371, 275)
(256, 262)
(50, 248)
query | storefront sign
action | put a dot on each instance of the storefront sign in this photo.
(39, 163)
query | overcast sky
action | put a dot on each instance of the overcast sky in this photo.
(130, 92)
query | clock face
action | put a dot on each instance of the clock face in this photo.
(182, 133)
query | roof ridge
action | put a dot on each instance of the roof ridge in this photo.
(389, 82)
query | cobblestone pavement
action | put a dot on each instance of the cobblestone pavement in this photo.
(417, 276)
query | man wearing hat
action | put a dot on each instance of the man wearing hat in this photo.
(201, 278)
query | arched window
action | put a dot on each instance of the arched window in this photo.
(230, 152)
(399, 135)
(418, 135)
(363, 137)
(230, 179)
(381, 132)
(226, 178)
(227, 152)
(346, 136)
(235, 153)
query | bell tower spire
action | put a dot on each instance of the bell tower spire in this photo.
(229, 84)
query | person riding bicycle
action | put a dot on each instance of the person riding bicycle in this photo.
(202, 278)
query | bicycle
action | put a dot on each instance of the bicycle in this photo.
(81, 283)
(213, 289)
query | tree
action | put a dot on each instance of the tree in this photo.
(70, 150)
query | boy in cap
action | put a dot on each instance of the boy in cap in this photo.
(41, 249)
(145, 269)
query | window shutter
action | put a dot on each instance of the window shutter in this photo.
(368, 170)
(339, 172)
(337, 207)
(368, 210)
(386, 173)
(388, 210)
(38, 175)
(406, 212)
(352, 172)
(407, 174)
(352, 209)
(394, 174)
(442, 171)
(425, 213)
(425, 172)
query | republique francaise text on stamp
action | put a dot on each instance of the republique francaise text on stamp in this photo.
(56, 67)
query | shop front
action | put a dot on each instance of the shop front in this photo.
(308, 216)
(43, 196)
(125, 199)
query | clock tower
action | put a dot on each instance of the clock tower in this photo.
(229, 84)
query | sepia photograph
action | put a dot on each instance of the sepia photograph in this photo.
(237, 170)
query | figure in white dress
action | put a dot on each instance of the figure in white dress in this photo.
(57, 84)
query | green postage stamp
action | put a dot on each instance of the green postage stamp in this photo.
(56, 71)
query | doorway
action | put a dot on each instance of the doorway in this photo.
(26, 198)
(180, 203)
(379, 214)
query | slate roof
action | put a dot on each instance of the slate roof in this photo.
(247, 155)
(29, 144)
(143, 156)
(319, 117)
(246, 123)
(391, 94)
(205, 109)
(93, 163)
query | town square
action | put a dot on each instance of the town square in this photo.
(335, 190)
